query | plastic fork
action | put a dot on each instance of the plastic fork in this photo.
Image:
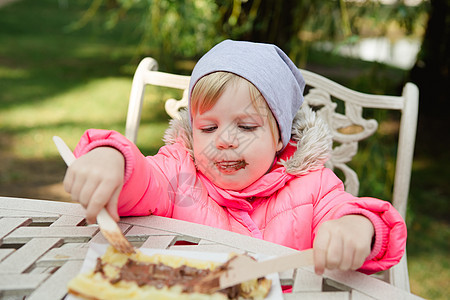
(107, 225)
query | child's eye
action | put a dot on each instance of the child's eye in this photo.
(208, 129)
(248, 127)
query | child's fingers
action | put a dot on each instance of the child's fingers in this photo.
(357, 263)
(348, 257)
(101, 196)
(68, 181)
(320, 251)
(76, 188)
(360, 256)
(334, 252)
(87, 192)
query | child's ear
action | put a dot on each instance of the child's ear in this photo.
(279, 145)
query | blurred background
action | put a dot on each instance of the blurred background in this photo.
(66, 66)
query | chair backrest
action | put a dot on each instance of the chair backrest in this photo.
(348, 129)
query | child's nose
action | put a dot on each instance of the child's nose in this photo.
(226, 140)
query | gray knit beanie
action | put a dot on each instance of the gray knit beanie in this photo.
(264, 65)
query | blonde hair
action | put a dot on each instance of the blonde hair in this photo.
(209, 88)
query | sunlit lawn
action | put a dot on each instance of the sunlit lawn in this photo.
(58, 82)
(101, 103)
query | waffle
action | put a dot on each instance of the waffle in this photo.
(159, 276)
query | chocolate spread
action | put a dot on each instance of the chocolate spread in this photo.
(160, 275)
(241, 165)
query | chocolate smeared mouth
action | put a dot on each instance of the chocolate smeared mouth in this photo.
(231, 165)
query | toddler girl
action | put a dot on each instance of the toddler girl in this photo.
(244, 158)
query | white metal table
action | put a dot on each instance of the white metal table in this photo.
(43, 245)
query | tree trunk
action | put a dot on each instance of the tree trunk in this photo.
(430, 72)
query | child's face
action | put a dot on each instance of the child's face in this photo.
(233, 143)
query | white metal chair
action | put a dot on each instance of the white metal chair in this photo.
(321, 94)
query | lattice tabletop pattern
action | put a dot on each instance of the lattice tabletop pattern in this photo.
(43, 245)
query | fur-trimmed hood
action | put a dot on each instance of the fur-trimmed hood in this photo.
(311, 138)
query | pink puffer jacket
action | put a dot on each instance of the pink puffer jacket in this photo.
(285, 206)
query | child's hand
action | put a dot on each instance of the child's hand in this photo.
(95, 180)
(343, 244)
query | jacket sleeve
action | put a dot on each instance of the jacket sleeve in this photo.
(333, 202)
(147, 180)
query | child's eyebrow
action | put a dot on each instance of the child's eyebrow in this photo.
(252, 117)
(201, 119)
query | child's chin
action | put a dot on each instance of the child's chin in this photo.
(232, 186)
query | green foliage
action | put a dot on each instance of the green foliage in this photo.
(166, 29)
(189, 28)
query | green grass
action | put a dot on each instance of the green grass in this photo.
(58, 81)
(101, 103)
(55, 81)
